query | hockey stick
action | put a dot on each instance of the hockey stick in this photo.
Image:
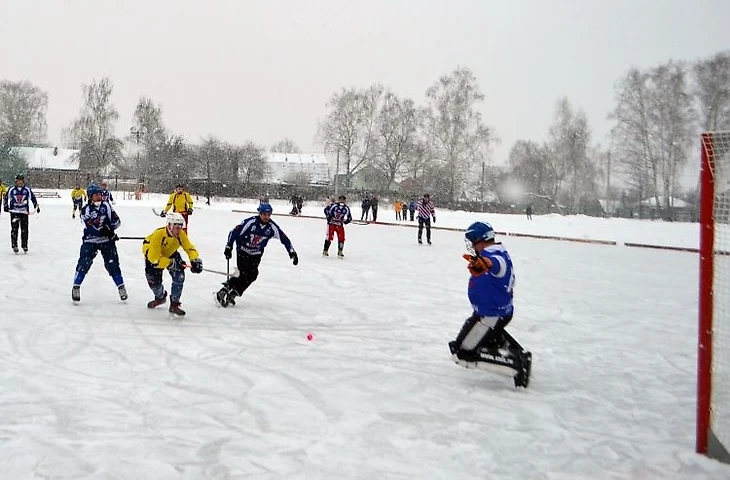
(132, 238)
(216, 272)
(16, 219)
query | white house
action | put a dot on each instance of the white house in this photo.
(49, 158)
(673, 202)
(297, 167)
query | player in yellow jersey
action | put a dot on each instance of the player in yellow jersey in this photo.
(181, 202)
(160, 250)
(3, 190)
(78, 195)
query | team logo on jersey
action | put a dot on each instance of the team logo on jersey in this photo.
(255, 240)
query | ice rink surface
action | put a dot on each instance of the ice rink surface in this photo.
(108, 390)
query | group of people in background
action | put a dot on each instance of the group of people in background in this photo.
(402, 209)
(369, 205)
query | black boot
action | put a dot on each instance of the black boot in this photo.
(175, 308)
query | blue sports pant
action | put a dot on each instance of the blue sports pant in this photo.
(108, 253)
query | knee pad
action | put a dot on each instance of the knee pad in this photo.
(153, 279)
(478, 332)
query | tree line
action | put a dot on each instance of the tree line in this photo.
(441, 146)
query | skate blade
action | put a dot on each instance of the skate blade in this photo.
(487, 367)
(215, 299)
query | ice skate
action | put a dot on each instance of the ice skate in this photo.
(175, 309)
(122, 292)
(76, 294)
(157, 301)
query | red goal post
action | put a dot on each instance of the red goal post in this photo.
(713, 348)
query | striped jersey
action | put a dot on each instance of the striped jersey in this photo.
(425, 209)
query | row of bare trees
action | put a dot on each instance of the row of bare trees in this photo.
(438, 146)
(658, 115)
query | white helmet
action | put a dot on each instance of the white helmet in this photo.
(174, 218)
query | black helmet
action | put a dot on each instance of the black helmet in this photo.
(20, 176)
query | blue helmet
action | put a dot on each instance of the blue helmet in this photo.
(479, 231)
(92, 189)
(265, 207)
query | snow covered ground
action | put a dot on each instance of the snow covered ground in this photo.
(107, 390)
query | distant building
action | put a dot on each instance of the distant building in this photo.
(51, 167)
(297, 168)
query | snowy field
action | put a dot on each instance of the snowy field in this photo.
(108, 390)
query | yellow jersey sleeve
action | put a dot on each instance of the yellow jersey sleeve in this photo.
(170, 201)
(188, 246)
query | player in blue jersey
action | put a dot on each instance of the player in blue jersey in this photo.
(251, 237)
(482, 338)
(16, 203)
(106, 195)
(100, 222)
(338, 215)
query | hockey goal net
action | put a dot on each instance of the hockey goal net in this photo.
(713, 354)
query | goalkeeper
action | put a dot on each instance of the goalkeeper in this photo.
(482, 338)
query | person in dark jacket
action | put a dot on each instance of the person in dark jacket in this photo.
(374, 207)
(365, 209)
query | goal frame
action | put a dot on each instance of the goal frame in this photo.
(706, 441)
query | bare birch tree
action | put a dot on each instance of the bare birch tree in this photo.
(569, 140)
(23, 110)
(654, 118)
(532, 167)
(93, 131)
(712, 89)
(457, 136)
(349, 128)
(397, 128)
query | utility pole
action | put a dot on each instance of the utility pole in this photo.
(337, 172)
(136, 133)
(482, 187)
(609, 205)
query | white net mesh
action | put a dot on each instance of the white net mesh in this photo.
(719, 157)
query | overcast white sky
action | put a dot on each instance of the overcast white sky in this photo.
(263, 70)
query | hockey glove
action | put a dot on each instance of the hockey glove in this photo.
(190, 211)
(6, 208)
(37, 209)
(347, 221)
(228, 252)
(477, 265)
(107, 232)
(434, 219)
(196, 266)
(294, 257)
(163, 214)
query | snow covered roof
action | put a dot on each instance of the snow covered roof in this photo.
(288, 167)
(307, 158)
(49, 158)
(673, 201)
